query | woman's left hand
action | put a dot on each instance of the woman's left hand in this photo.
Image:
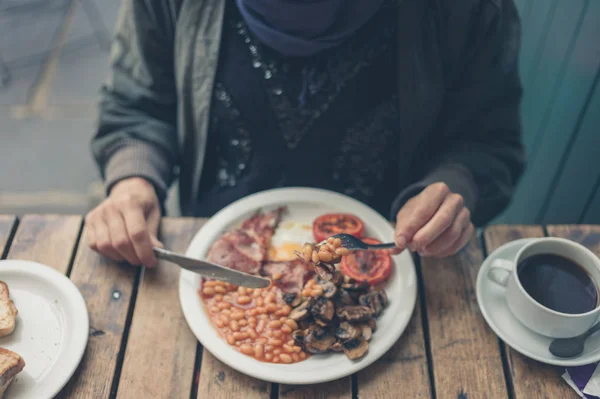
(434, 223)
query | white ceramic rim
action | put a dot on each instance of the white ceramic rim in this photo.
(564, 241)
(511, 341)
(224, 219)
(78, 343)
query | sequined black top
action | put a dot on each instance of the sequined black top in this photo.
(328, 121)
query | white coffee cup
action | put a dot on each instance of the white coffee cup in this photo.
(531, 313)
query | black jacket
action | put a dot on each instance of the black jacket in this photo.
(459, 92)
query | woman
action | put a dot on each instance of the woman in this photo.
(411, 106)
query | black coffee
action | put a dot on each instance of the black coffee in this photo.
(558, 283)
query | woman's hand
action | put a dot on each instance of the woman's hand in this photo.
(434, 223)
(125, 225)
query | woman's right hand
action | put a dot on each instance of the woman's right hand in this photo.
(125, 225)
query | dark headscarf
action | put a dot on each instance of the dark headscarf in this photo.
(300, 28)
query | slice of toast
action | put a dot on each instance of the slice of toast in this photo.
(11, 364)
(8, 311)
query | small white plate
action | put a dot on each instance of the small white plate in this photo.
(51, 331)
(303, 205)
(492, 302)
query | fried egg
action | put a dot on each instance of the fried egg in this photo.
(289, 237)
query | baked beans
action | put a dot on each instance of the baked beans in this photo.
(326, 252)
(254, 321)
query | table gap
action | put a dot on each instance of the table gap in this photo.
(425, 322)
(10, 238)
(75, 248)
(354, 386)
(121, 355)
(545, 230)
(196, 374)
(274, 390)
(510, 389)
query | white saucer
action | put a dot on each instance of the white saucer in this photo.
(51, 331)
(492, 303)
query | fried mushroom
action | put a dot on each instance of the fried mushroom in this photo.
(354, 286)
(318, 339)
(337, 347)
(321, 323)
(301, 311)
(322, 310)
(292, 299)
(372, 323)
(306, 323)
(376, 300)
(355, 348)
(329, 289)
(328, 273)
(366, 332)
(354, 314)
(298, 337)
(347, 331)
(344, 298)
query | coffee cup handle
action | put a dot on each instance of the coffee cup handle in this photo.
(500, 271)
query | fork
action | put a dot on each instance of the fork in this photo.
(352, 243)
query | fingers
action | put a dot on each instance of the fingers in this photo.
(440, 222)
(120, 239)
(396, 251)
(121, 235)
(450, 236)
(156, 242)
(91, 235)
(139, 234)
(153, 223)
(418, 211)
(460, 243)
(103, 241)
(434, 223)
(400, 241)
(124, 225)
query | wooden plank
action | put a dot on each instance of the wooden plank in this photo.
(7, 224)
(219, 381)
(159, 362)
(569, 94)
(47, 239)
(496, 236)
(465, 353)
(577, 181)
(341, 389)
(586, 235)
(530, 379)
(535, 380)
(108, 289)
(405, 362)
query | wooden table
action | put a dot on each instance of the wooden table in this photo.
(141, 347)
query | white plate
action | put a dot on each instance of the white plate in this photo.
(492, 303)
(52, 328)
(303, 206)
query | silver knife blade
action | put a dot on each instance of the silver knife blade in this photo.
(213, 271)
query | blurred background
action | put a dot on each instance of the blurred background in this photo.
(54, 57)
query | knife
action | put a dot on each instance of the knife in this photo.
(213, 271)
